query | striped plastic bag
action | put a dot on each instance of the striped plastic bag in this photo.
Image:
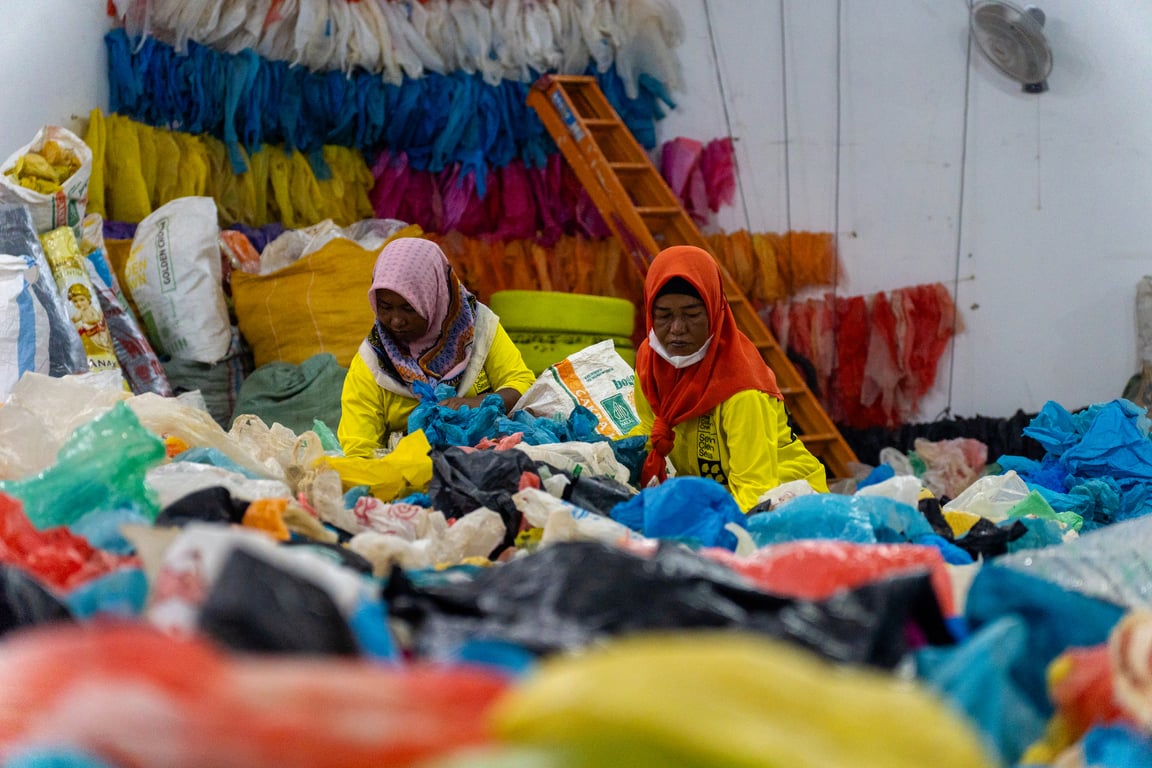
(23, 323)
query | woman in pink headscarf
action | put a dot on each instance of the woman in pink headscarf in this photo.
(429, 328)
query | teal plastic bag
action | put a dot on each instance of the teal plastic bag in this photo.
(101, 467)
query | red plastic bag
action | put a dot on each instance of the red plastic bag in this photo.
(815, 569)
(135, 696)
(56, 556)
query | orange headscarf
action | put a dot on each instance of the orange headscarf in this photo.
(732, 363)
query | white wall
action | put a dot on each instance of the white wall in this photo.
(1034, 209)
(53, 69)
(931, 166)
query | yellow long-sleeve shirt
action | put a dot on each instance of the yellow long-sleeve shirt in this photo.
(745, 443)
(373, 408)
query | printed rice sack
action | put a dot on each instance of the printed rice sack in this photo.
(596, 377)
(174, 277)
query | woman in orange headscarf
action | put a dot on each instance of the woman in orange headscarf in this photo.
(717, 411)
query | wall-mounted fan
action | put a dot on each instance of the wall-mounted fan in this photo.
(1012, 38)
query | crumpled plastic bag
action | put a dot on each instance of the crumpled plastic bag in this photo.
(694, 510)
(860, 518)
(561, 520)
(56, 556)
(101, 467)
(776, 706)
(471, 537)
(546, 602)
(818, 569)
(192, 696)
(465, 480)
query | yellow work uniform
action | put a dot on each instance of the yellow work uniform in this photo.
(374, 405)
(745, 443)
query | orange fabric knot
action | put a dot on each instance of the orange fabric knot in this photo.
(663, 438)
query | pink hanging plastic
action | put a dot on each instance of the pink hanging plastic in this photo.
(718, 167)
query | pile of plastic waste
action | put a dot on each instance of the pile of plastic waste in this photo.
(495, 590)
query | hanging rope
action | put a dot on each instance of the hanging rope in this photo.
(727, 116)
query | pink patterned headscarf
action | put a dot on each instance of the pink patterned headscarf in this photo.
(419, 271)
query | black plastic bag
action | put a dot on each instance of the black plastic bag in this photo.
(25, 602)
(463, 480)
(207, 505)
(255, 606)
(567, 596)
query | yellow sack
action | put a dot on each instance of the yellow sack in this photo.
(316, 304)
(407, 470)
(731, 699)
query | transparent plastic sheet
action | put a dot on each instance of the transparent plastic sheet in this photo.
(172, 418)
(18, 237)
(40, 415)
(1113, 563)
(561, 520)
(992, 496)
(175, 480)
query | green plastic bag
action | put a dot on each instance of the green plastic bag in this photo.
(101, 467)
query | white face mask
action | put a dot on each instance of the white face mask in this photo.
(678, 361)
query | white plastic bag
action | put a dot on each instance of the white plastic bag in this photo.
(991, 496)
(597, 378)
(562, 521)
(173, 275)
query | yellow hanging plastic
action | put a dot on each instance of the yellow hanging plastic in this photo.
(167, 168)
(96, 137)
(148, 164)
(125, 193)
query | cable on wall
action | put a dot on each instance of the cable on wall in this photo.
(960, 218)
(727, 116)
(836, 185)
(784, 110)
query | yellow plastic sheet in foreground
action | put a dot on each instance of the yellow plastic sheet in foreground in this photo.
(729, 699)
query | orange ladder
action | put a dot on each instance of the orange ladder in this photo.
(646, 216)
